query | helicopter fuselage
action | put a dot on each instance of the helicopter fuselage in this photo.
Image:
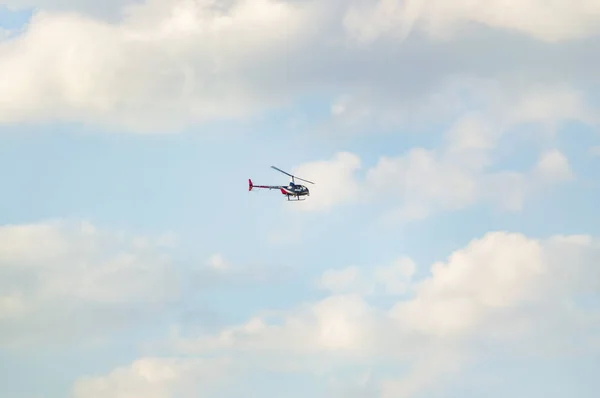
(295, 190)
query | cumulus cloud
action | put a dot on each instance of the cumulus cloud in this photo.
(504, 288)
(494, 276)
(167, 61)
(466, 169)
(422, 182)
(428, 181)
(63, 280)
(67, 282)
(335, 181)
(163, 65)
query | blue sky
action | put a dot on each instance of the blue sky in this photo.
(14, 18)
(144, 128)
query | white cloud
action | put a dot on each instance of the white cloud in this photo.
(423, 182)
(154, 378)
(164, 65)
(429, 373)
(553, 166)
(467, 168)
(218, 271)
(341, 323)
(334, 181)
(63, 280)
(480, 110)
(217, 262)
(560, 20)
(342, 280)
(393, 279)
(506, 286)
(497, 276)
(552, 105)
(503, 288)
(166, 62)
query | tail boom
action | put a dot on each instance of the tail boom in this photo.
(251, 186)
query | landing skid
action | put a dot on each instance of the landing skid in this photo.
(294, 200)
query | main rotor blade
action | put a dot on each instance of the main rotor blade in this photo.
(293, 176)
(281, 171)
(298, 178)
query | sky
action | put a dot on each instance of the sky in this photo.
(449, 246)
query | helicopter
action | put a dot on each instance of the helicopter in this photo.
(292, 190)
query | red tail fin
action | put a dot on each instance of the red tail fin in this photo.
(250, 185)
